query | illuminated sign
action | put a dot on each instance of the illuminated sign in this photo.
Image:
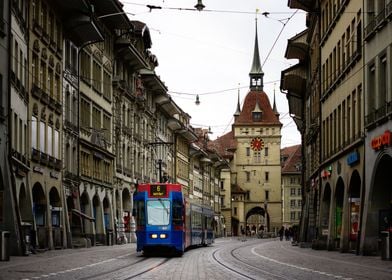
(381, 141)
(158, 190)
(353, 158)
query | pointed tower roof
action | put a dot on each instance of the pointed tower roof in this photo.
(238, 110)
(256, 73)
(274, 106)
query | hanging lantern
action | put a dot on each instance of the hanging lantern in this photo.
(199, 6)
(197, 102)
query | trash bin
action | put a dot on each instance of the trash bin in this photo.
(4, 243)
(385, 246)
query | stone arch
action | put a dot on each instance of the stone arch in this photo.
(97, 214)
(25, 210)
(40, 214)
(126, 200)
(338, 211)
(324, 208)
(379, 214)
(56, 209)
(107, 211)
(256, 219)
(85, 208)
(354, 199)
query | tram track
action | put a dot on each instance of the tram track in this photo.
(245, 264)
(148, 269)
(113, 270)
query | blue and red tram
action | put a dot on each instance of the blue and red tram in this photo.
(165, 219)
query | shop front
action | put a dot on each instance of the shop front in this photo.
(378, 210)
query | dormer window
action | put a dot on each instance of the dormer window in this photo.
(256, 116)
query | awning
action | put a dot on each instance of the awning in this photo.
(82, 215)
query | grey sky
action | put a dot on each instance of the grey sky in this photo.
(210, 53)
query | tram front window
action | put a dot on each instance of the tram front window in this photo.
(158, 212)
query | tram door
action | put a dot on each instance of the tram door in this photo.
(204, 231)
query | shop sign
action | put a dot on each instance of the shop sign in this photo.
(353, 158)
(381, 141)
(325, 173)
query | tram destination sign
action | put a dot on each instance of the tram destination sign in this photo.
(158, 190)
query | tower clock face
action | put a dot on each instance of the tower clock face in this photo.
(257, 144)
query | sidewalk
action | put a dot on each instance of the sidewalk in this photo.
(63, 253)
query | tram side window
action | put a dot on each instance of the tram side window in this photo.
(140, 215)
(196, 220)
(209, 223)
(177, 212)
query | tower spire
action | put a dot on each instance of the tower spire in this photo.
(256, 73)
(274, 106)
(238, 111)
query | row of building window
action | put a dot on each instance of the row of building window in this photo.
(295, 203)
(46, 77)
(378, 82)
(342, 54)
(44, 17)
(45, 138)
(295, 191)
(96, 167)
(248, 173)
(328, 13)
(259, 132)
(94, 75)
(344, 124)
(295, 215)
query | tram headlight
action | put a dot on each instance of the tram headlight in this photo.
(154, 236)
(162, 236)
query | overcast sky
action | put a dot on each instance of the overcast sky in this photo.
(210, 53)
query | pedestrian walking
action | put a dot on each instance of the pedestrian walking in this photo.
(281, 233)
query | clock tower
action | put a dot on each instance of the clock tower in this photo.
(253, 149)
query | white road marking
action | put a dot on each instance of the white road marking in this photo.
(299, 267)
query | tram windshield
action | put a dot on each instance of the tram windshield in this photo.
(158, 212)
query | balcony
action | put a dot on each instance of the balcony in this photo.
(77, 18)
(35, 155)
(297, 47)
(127, 171)
(53, 46)
(44, 98)
(46, 38)
(388, 10)
(52, 102)
(51, 161)
(379, 115)
(58, 164)
(44, 158)
(37, 28)
(294, 79)
(36, 91)
(381, 19)
(58, 107)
